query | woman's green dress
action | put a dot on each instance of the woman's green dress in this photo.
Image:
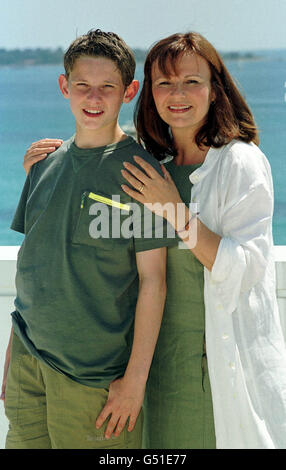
(178, 405)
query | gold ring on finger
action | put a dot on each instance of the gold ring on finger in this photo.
(141, 188)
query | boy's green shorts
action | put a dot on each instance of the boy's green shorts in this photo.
(47, 410)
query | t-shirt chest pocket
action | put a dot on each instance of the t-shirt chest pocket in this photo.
(99, 220)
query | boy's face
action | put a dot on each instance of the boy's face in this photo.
(96, 93)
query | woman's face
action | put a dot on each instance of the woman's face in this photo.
(183, 98)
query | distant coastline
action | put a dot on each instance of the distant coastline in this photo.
(44, 56)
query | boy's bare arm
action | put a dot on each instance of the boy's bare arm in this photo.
(126, 394)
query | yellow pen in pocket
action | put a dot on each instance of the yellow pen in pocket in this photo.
(108, 201)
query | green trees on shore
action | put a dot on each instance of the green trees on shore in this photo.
(40, 56)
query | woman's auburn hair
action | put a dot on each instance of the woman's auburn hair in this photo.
(229, 117)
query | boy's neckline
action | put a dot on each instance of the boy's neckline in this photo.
(122, 138)
(82, 150)
(81, 156)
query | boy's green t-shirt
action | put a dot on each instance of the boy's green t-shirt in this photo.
(76, 294)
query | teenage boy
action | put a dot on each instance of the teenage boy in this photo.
(84, 328)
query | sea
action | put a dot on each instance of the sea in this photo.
(32, 107)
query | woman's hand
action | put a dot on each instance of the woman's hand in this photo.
(39, 150)
(158, 193)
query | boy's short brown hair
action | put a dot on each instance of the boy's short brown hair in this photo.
(98, 43)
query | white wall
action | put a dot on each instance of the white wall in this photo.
(8, 255)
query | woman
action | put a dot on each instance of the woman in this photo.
(221, 322)
(191, 110)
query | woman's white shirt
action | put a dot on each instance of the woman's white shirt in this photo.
(245, 345)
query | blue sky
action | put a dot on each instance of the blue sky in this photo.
(228, 24)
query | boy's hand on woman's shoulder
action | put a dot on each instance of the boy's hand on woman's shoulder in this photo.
(39, 150)
(124, 401)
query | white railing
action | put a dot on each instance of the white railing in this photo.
(280, 264)
(8, 256)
